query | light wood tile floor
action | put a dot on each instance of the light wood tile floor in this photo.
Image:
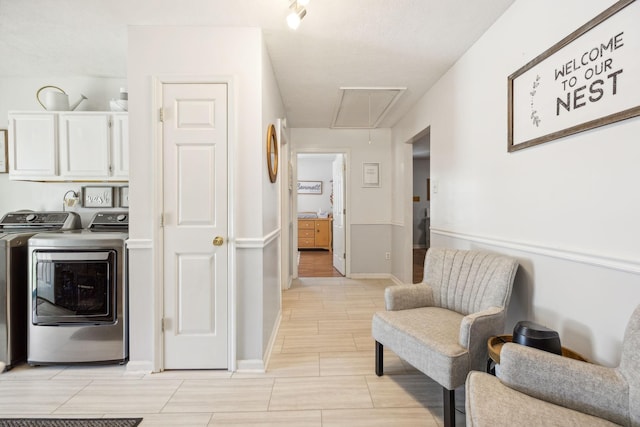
(321, 373)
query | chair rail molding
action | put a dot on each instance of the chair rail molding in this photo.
(597, 260)
(139, 244)
(257, 242)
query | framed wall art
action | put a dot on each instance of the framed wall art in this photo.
(371, 174)
(97, 197)
(124, 197)
(590, 78)
(272, 153)
(309, 187)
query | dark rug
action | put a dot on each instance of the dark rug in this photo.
(69, 422)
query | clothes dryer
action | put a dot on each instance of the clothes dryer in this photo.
(78, 304)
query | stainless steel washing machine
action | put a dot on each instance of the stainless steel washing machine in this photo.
(15, 230)
(78, 309)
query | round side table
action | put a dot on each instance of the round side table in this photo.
(494, 345)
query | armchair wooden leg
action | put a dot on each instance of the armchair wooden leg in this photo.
(379, 361)
(449, 407)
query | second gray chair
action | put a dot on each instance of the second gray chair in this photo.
(441, 326)
(537, 388)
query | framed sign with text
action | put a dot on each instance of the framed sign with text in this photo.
(309, 187)
(591, 78)
(97, 197)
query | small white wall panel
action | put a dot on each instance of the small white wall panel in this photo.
(196, 296)
(196, 185)
(195, 114)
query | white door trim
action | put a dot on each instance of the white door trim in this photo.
(158, 294)
(347, 202)
(285, 203)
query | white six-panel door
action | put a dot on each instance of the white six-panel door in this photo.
(194, 133)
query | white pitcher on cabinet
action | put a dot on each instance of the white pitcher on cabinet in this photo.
(57, 101)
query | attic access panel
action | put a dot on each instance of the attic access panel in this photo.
(364, 107)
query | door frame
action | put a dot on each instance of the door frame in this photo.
(285, 204)
(346, 152)
(408, 232)
(157, 83)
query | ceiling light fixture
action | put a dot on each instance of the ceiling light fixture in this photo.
(297, 13)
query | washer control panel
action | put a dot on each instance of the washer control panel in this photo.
(105, 221)
(50, 220)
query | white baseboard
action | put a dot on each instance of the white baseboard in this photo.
(251, 366)
(370, 276)
(272, 340)
(144, 366)
(396, 281)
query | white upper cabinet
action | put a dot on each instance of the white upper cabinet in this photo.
(84, 146)
(35, 157)
(72, 146)
(120, 146)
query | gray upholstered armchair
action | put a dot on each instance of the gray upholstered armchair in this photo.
(441, 326)
(536, 388)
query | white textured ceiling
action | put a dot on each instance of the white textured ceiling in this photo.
(340, 43)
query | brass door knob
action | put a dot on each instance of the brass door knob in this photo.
(218, 241)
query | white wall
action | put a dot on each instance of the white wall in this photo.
(272, 110)
(368, 209)
(19, 93)
(402, 211)
(567, 209)
(317, 167)
(236, 55)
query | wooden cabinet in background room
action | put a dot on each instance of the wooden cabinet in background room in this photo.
(314, 233)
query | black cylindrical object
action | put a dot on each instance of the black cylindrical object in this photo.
(531, 334)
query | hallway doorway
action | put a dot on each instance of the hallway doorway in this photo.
(421, 201)
(320, 209)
